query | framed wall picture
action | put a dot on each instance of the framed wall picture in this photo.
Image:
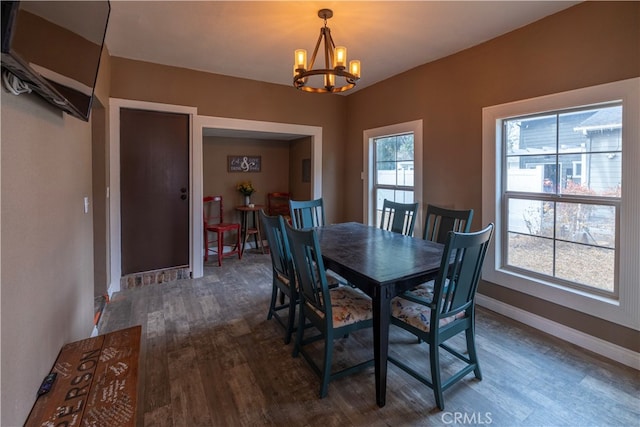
(244, 163)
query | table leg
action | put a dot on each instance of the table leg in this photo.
(256, 221)
(245, 228)
(257, 233)
(381, 301)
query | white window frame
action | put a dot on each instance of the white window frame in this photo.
(622, 310)
(369, 136)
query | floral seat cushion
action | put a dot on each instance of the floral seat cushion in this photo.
(417, 315)
(348, 306)
(424, 290)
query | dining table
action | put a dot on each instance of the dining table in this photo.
(382, 264)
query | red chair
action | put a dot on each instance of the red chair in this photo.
(278, 204)
(214, 223)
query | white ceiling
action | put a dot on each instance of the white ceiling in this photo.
(256, 39)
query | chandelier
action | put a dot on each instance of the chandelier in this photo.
(323, 80)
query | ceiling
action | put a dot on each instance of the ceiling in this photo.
(256, 39)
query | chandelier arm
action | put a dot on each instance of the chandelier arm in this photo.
(328, 52)
(315, 51)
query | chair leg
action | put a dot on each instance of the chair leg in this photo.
(291, 322)
(473, 354)
(238, 244)
(220, 248)
(326, 368)
(434, 359)
(300, 332)
(206, 246)
(272, 304)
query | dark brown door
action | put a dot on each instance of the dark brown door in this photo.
(154, 189)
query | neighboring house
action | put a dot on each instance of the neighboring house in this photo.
(589, 146)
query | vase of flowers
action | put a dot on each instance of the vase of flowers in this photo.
(246, 189)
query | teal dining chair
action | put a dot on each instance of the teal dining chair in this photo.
(440, 221)
(437, 225)
(283, 275)
(334, 312)
(310, 214)
(307, 213)
(398, 217)
(450, 312)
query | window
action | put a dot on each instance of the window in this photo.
(393, 170)
(561, 225)
(393, 167)
(560, 182)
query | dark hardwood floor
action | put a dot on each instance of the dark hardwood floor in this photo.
(209, 357)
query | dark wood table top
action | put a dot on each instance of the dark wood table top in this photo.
(378, 257)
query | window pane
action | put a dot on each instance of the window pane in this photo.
(386, 149)
(530, 253)
(405, 147)
(586, 223)
(386, 173)
(404, 173)
(533, 217)
(531, 135)
(593, 130)
(403, 196)
(597, 174)
(586, 265)
(534, 174)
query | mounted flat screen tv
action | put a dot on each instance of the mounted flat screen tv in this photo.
(54, 47)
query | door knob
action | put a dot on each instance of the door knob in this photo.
(183, 197)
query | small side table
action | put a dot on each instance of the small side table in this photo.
(254, 229)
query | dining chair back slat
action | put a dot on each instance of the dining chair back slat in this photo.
(398, 217)
(440, 221)
(307, 213)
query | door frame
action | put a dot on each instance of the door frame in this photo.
(210, 122)
(113, 191)
(196, 125)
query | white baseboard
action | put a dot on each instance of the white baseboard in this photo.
(597, 345)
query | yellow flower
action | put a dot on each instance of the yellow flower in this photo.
(245, 188)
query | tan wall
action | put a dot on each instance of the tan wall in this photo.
(300, 149)
(217, 180)
(100, 176)
(281, 170)
(589, 44)
(222, 96)
(47, 249)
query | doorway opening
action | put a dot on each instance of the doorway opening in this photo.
(198, 124)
